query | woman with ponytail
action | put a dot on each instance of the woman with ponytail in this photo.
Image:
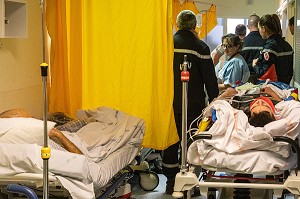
(276, 59)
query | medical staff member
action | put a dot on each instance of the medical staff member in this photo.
(276, 59)
(202, 75)
(235, 69)
(253, 44)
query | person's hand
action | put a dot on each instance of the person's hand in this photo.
(229, 92)
(270, 91)
(254, 62)
(267, 90)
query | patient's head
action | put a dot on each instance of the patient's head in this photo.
(17, 112)
(262, 104)
(261, 119)
(261, 112)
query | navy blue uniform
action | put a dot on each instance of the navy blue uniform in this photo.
(201, 74)
(253, 44)
(279, 52)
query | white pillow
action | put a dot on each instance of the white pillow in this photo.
(23, 130)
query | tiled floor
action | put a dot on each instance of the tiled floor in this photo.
(158, 193)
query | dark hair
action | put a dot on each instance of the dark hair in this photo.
(261, 119)
(271, 23)
(291, 21)
(186, 20)
(232, 39)
(240, 30)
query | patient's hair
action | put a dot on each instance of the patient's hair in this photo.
(261, 119)
(17, 112)
(186, 20)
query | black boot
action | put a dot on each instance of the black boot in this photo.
(170, 186)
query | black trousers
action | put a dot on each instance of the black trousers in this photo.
(172, 156)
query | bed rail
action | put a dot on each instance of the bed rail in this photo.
(15, 188)
(295, 146)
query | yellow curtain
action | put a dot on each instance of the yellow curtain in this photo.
(59, 75)
(64, 26)
(209, 21)
(178, 7)
(117, 54)
(208, 18)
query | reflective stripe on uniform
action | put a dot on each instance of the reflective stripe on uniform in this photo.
(253, 48)
(278, 54)
(170, 165)
(193, 53)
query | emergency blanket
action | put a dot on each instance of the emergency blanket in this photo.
(240, 147)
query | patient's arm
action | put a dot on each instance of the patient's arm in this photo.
(228, 93)
(58, 137)
(269, 91)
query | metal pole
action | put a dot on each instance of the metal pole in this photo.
(185, 76)
(45, 151)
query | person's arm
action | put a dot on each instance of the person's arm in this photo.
(216, 54)
(209, 77)
(263, 63)
(223, 86)
(228, 93)
(269, 91)
(58, 137)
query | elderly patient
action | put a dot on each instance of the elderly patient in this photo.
(54, 134)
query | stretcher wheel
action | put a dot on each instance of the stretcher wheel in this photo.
(148, 180)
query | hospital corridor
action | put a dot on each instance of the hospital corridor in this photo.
(150, 99)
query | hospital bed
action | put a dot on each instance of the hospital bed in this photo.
(114, 143)
(236, 156)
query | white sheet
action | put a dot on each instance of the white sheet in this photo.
(235, 143)
(79, 174)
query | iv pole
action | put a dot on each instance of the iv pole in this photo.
(185, 77)
(45, 151)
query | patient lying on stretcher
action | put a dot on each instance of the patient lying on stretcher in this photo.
(239, 146)
(262, 109)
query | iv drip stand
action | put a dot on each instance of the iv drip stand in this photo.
(45, 151)
(185, 76)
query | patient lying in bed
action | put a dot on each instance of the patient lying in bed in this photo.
(97, 136)
(107, 145)
(54, 133)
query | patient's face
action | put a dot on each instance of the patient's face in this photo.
(259, 106)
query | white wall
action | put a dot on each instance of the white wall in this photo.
(21, 81)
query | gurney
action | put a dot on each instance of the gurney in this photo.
(235, 141)
(72, 175)
(261, 153)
